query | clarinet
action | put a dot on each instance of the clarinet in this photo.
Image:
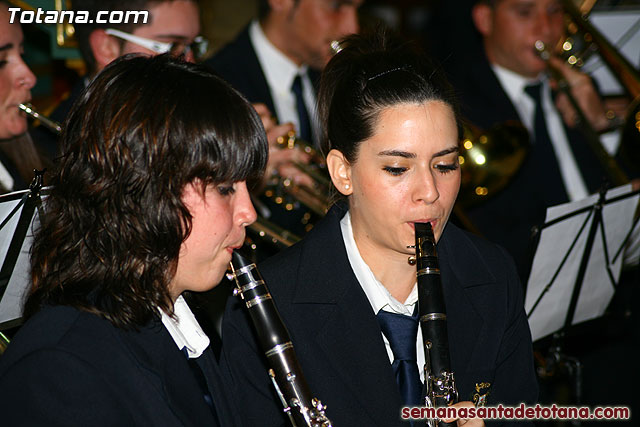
(440, 385)
(284, 369)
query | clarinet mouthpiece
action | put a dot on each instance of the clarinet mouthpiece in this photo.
(239, 261)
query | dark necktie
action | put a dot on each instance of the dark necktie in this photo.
(303, 115)
(542, 157)
(401, 332)
(201, 380)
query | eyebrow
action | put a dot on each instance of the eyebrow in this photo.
(398, 153)
(409, 155)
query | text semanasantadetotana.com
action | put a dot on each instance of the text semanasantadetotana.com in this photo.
(522, 412)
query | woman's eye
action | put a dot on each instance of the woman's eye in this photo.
(447, 167)
(394, 170)
(226, 190)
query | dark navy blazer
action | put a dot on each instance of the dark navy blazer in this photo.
(238, 64)
(339, 343)
(66, 367)
(507, 218)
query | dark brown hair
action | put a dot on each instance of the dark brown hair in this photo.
(374, 71)
(115, 221)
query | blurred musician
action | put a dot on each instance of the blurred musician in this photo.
(176, 22)
(149, 201)
(507, 80)
(18, 156)
(392, 135)
(276, 61)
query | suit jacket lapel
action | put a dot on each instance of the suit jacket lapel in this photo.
(347, 330)
(157, 354)
(464, 278)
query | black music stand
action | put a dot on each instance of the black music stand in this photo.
(16, 226)
(577, 282)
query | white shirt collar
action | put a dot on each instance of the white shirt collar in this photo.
(278, 69)
(512, 82)
(185, 329)
(379, 297)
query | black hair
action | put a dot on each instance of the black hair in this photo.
(372, 72)
(115, 221)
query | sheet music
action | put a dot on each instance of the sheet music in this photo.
(12, 300)
(597, 290)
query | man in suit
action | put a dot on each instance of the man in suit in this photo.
(275, 61)
(174, 22)
(507, 80)
(291, 39)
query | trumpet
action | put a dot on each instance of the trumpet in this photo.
(52, 125)
(286, 192)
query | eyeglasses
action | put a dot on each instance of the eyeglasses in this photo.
(198, 46)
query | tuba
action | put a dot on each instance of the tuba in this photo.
(284, 369)
(440, 384)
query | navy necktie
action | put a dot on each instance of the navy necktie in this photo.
(303, 115)
(401, 332)
(543, 157)
(201, 380)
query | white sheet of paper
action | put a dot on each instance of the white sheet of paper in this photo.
(20, 282)
(597, 290)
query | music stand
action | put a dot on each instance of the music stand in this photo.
(17, 221)
(573, 277)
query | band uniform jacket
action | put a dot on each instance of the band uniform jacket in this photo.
(67, 367)
(508, 216)
(238, 64)
(339, 343)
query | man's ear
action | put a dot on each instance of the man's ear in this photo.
(482, 16)
(105, 48)
(340, 172)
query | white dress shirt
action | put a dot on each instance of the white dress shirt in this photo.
(185, 329)
(513, 85)
(379, 297)
(280, 72)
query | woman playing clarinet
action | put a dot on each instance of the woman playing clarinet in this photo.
(348, 291)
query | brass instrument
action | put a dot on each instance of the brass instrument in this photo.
(614, 172)
(440, 384)
(284, 369)
(489, 160)
(47, 122)
(271, 233)
(286, 192)
(583, 40)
